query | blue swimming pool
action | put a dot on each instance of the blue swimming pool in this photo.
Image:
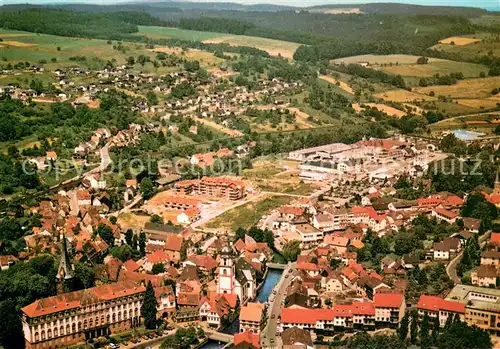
(467, 135)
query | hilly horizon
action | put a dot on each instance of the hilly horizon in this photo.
(490, 5)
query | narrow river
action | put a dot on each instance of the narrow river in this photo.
(272, 278)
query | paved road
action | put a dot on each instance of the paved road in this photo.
(268, 338)
(451, 268)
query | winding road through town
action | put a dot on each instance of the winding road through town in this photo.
(451, 268)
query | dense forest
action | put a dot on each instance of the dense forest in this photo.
(93, 25)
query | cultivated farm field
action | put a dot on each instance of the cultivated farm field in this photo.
(469, 70)
(470, 88)
(402, 96)
(380, 107)
(382, 59)
(273, 47)
(459, 40)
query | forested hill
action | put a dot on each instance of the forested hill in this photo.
(408, 9)
(113, 25)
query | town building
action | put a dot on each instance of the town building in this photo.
(70, 318)
(252, 317)
(482, 306)
(435, 306)
(389, 308)
(236, 276)
(218, 187)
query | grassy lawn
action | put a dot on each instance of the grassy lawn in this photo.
(249, 214)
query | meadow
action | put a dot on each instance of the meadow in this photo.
(273, 47)
(56, 51)
(382, 59)
(442, 67)
(470, 88)
(489, 44)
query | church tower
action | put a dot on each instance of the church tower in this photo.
(65, 270)
(496, 188)
(226, 271)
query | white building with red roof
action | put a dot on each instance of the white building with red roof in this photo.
(437, 307)
(389, 308)
(70, 318)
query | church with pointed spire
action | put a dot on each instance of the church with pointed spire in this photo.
(65, 271)
(496, 187)
(235, 276)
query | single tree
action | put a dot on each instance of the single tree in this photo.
(403, 327)
(149, 308)
(424, 327)
(414, 327)
(142, 243)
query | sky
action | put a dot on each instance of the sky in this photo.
(488, 4)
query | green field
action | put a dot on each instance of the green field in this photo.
(470, 70)
(249, 214)
(20, 46)
(176, 33)
(273, 47)
(489, 43)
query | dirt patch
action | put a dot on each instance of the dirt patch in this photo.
(14, 35)
(44, 100)
(401, 96)
(16, 43)
(344, 86)
(132, 221)
(381, 107)
(300, 117)
(459, 41)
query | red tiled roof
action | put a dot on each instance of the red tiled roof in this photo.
(495, 238)
(247, 337)
(453, 200)
(306, 316)
(433, 303)
(83, 195)
(206, 262)
(239, 245)
(178, 200)
(130, 265)
(388, 300)
(363, 308)
(297, 211)
(342, 310)
(173, 243)
(429, 202)
(307, 266)
(445, 213)
(73, 300)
